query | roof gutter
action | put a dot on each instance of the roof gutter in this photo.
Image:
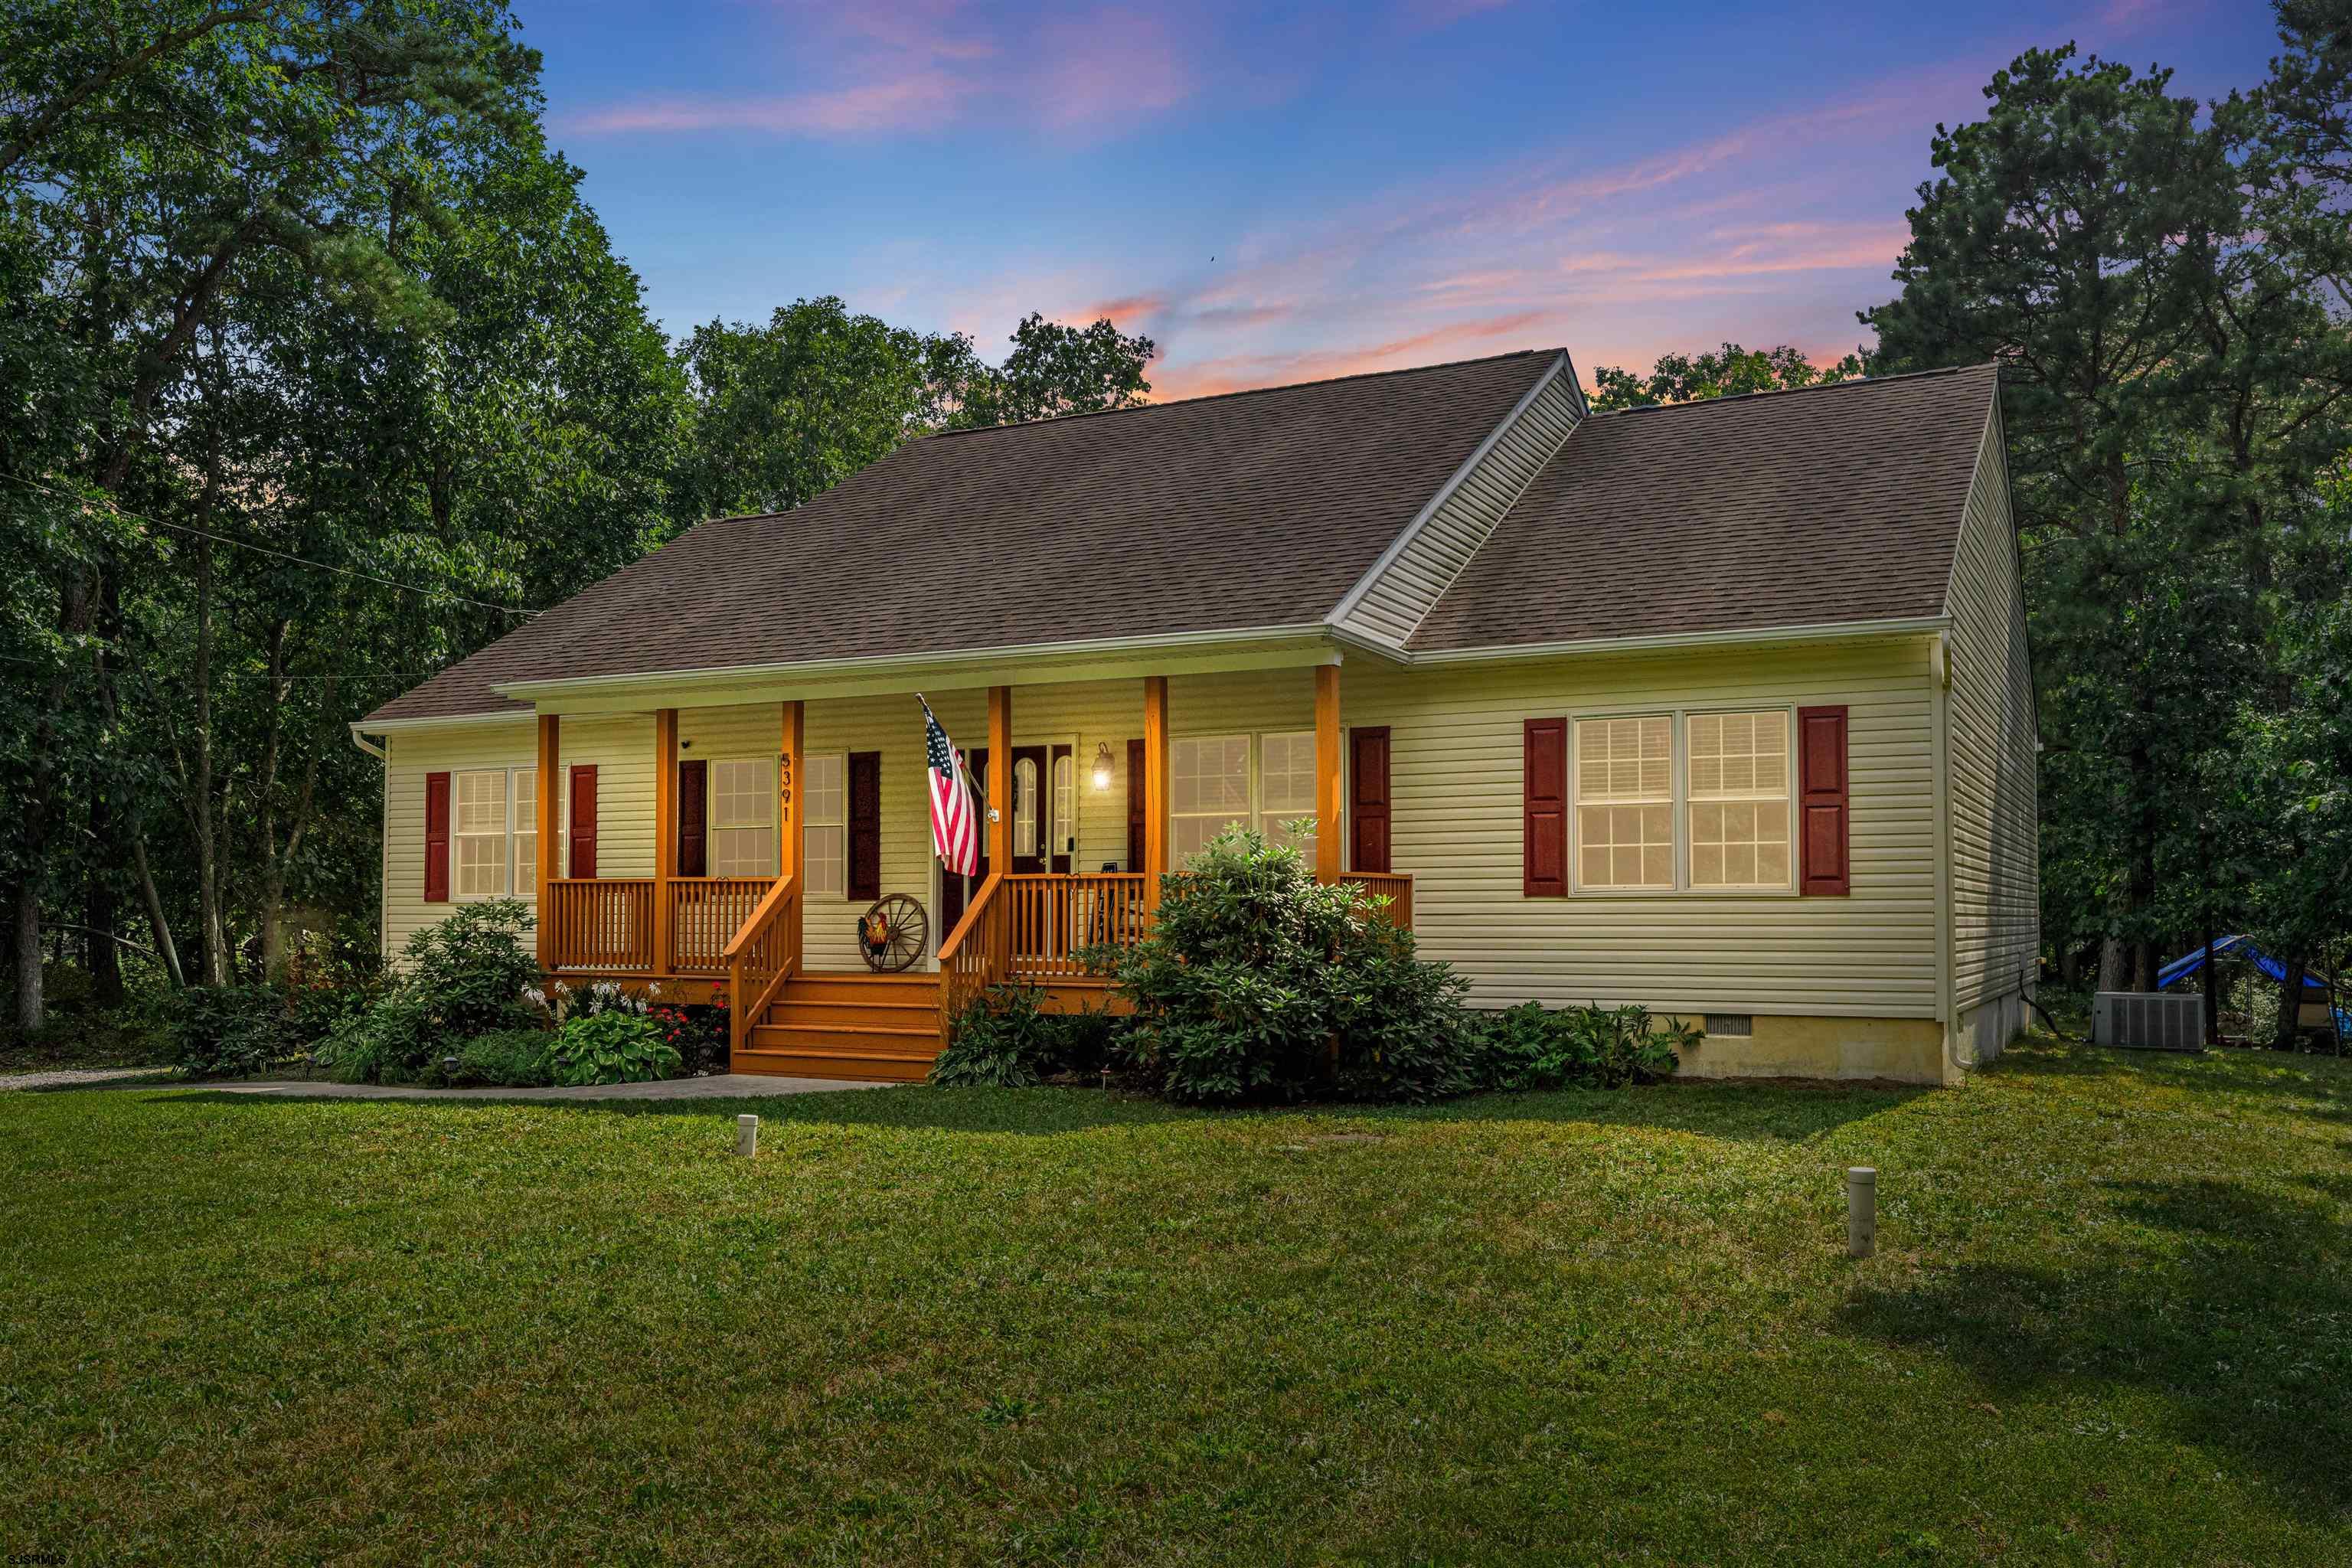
(529, 691)
(360, 727)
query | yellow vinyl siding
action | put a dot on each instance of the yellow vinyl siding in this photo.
(1995, 869)
(410, 755)
(1455, 787)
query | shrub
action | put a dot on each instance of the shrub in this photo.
(616, 1045)
(1402, 1032)
(698, 1036)
(1595, 1048)
(464, 977)
(233, 1031)
(514, 1059)
(1004, 1039)
(1255, 972)
(472, 969)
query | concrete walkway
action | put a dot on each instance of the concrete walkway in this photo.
(76, 1078)
(720, 1086)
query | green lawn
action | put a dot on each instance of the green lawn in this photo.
(2107, 1324)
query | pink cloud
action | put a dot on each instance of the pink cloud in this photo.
(918, 102)
(891, 69)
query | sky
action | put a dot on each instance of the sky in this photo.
(1282, 195)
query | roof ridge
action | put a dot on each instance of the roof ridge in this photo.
(1238, 391)
(1793, 391)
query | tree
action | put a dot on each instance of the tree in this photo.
(325, 362)
(786, 411)
(1056, 369)
(1730, 371)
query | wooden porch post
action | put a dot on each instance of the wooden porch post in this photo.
(665, 834)
(1155, 787)
(546, 818)
(788, 807)
(1326, 772)
(999, 779)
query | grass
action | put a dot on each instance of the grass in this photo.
(2106, 1324)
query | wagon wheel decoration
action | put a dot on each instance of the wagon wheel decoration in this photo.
(893, 933)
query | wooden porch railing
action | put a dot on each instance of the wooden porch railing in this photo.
(705, 914)
(601, 922)
(1050, 916)
(1396, 887)
(974, 956)
(760, 957)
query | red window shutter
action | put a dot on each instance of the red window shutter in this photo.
(1368, 798)
(1544, 786)
(1823, 807)
(693, 818)
(583, 822)
(865, 871)
(1135, 804)
(436, 838)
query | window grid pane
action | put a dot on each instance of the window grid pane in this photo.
(1625, 846)
(1624, 759)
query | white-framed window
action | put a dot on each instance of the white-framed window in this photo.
(1208, 790)
(493, 833)
(825, 832)
(742, 819)
(1625, 802)
(1739, 816)
(1286, 789)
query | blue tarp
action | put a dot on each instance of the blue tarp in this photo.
(2315, 985)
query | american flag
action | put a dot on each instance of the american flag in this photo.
(955, 827)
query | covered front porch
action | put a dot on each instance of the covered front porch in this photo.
(825, 794)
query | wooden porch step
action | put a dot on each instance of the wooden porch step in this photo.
(886, 1038)
(868, 1069)
(823, 987)
(796, 1012)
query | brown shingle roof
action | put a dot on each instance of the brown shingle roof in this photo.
(1246, 511)
(1839, 504)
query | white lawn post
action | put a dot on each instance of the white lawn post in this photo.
(747, 1136)
(1861, 1211)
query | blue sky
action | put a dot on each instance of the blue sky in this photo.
(1276, 195)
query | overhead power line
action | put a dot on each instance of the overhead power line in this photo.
(273, 551)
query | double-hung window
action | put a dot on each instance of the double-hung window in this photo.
(1625, 802)
(825, 837)
(1208, 790)
(742, 817)
(1739, 799)
(493, 833)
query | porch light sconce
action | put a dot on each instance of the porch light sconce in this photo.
(1102, 766)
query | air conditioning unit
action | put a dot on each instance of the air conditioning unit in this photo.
(2149, 1021)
